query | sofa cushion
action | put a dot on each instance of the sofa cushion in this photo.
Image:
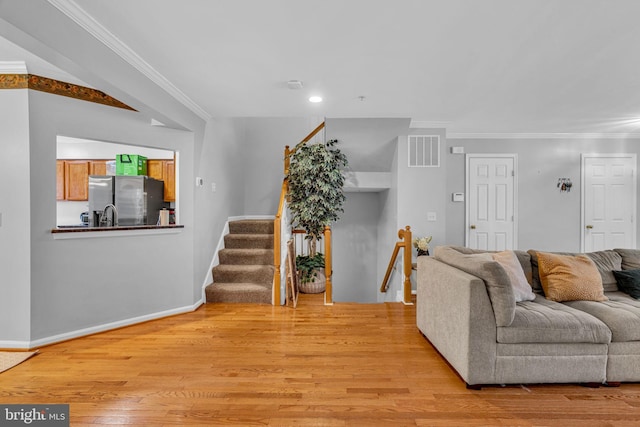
(491, 272)
(630, 258)
(621, 314)
(570, 278)
(521, 287)
(629, 282)
(545, 321)
(606, 262)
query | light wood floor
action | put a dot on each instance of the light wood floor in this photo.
(344, 365)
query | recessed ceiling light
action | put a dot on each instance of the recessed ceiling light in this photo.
(315, 99)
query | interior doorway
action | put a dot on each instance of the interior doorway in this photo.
(608, 207)
(491, 207)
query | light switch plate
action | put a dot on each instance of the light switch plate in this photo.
(458, 197)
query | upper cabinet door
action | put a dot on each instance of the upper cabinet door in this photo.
(169, 181)
(164, 170)
(76, 180)
(97, 167)
(59, 179)
(155, 169)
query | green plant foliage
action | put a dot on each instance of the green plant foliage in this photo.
(307, 266)
(316, 181)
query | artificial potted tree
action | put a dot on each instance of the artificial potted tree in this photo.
(316, 197)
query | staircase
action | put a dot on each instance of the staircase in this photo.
(245, 272)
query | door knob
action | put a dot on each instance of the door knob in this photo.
(589, 227)
(473, 227)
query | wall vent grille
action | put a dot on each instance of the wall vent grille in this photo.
(424, 151)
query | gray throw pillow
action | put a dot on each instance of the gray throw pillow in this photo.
(630, 258)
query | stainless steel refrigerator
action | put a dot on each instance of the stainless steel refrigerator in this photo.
(137, 199)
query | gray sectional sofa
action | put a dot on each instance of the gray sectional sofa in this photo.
(466, 308)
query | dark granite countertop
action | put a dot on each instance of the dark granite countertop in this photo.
(84, 228)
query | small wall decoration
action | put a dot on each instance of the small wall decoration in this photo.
(564, 184)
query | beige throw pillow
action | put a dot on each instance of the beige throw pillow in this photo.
(570, 278)
(521, 288)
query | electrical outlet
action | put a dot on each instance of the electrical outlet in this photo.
(213, 187)
(431, 216)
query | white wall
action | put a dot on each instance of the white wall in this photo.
(355, 249)
(261, 158)
(420, 191)
(370, 146)
(548, 219)
(15, 258)
(388, 233)
(75, 148)
(218, 161)
(85, 283)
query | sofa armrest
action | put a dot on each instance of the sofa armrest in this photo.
(454, 312)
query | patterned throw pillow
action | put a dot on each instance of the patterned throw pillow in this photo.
(570, 278)
(521, 288)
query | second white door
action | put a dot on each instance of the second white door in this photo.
(609, 201)
(491, 202)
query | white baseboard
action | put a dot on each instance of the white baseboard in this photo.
(25, 345)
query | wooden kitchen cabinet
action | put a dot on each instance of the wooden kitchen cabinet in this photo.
(76, 180)
(97, 167)
(169, 181)
(72, 177)
(59, 179)
(164, 170)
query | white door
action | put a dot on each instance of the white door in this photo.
(491, 202)
(608, 201)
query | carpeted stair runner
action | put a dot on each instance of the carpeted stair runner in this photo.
(245, 272)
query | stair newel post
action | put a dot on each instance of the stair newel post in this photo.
(287, 155)
(328, 268)
(405, 236)
(275, 299)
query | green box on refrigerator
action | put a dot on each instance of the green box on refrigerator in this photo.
(131, 164)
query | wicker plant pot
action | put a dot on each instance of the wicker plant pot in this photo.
(317, 286)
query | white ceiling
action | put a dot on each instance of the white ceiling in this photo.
(529, 66)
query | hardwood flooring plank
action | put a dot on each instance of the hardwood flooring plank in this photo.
(250, 365)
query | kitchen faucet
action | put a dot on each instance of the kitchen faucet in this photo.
(104, 218)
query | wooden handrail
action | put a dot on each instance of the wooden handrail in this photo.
(308, 137)
(277, 242)
(328, 267)
(405, 243)
(289, 152)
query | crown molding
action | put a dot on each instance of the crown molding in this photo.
(72, 10)
(428, 124)
(13, 67)
(551, 135)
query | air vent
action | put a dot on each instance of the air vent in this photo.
(424, 151)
